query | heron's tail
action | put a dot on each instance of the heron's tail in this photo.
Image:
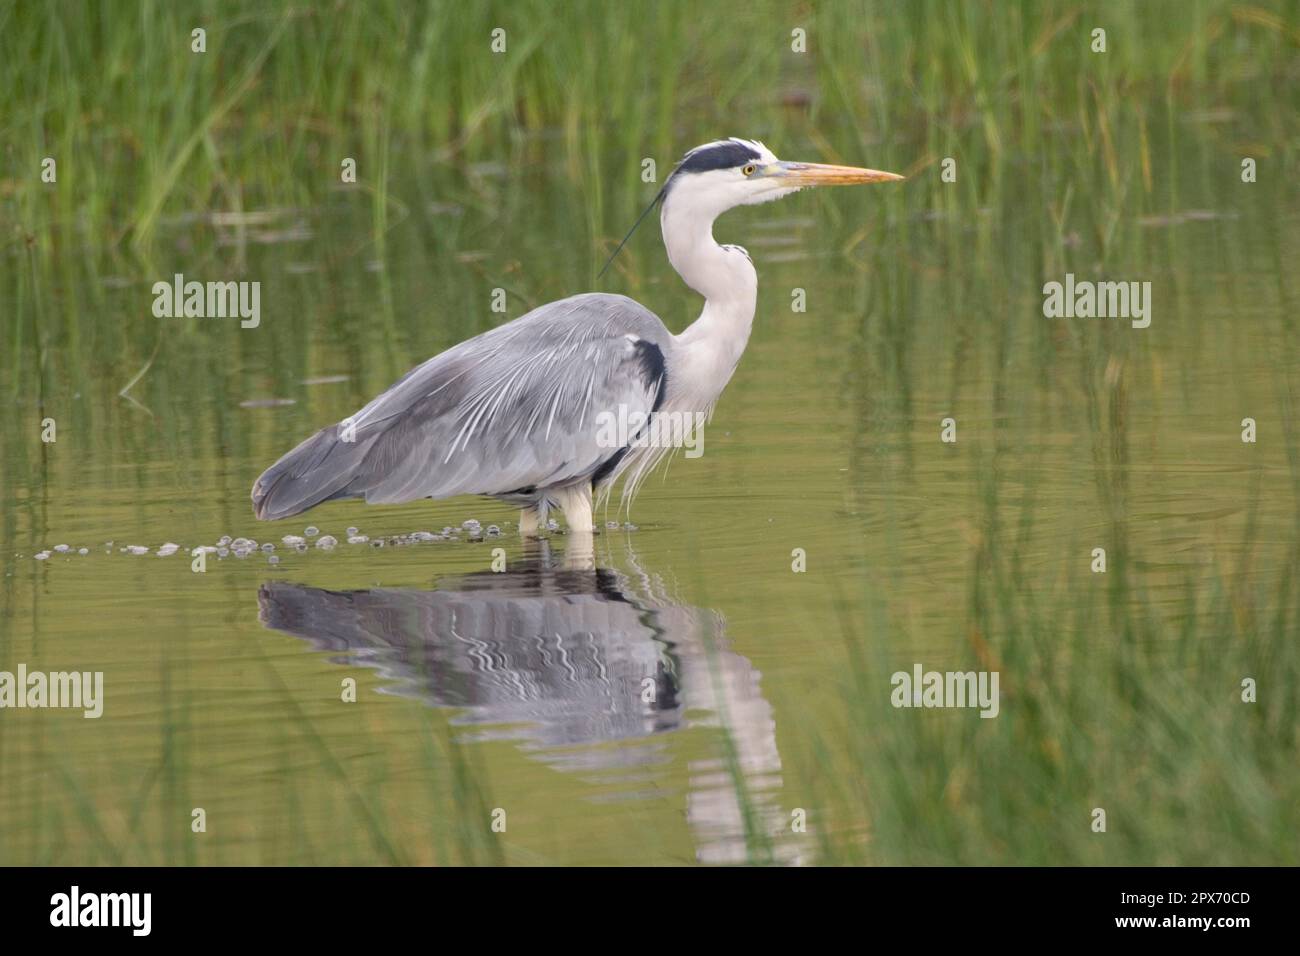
(319, 469)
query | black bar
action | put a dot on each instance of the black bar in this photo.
(336, 905)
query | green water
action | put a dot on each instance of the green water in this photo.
(523, 692)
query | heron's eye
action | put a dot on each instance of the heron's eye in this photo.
(749, 170)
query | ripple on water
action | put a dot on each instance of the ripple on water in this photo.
(471, 529)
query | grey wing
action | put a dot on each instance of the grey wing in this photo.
(516, 409)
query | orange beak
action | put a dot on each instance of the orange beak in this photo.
(818, 174)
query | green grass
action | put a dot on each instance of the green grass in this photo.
(1114, 694)
(142, 127)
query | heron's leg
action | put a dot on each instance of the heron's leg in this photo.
(575, 502)
(530, 521)
(580, 552)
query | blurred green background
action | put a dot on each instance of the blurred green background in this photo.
(520, 170)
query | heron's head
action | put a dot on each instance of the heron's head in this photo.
(728, 173)
(719, 176)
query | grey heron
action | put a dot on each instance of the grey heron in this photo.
(517, 413)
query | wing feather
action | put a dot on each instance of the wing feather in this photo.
(515, 408)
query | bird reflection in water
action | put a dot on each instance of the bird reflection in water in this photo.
(560, 658)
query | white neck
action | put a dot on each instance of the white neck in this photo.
(709, 348)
